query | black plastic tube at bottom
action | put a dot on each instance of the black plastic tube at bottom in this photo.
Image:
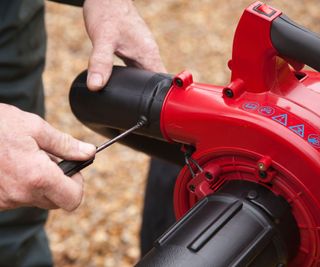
(244, 224)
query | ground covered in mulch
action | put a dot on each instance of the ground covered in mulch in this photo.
(194, 35)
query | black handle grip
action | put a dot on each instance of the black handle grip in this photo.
(296, 42)
(71, 167)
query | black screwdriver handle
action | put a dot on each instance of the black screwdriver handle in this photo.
(71, 167)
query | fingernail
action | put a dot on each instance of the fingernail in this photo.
(87, 149)
(95, 79)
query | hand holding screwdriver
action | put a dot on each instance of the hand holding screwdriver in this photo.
(28, 175)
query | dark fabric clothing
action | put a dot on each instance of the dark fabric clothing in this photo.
(23, 242)
(22, 54)
(158, 213)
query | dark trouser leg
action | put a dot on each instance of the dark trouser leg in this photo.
(23, 242)
(158, 212)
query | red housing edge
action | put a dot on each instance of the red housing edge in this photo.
(270, 124)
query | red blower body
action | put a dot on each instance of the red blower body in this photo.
(260, 132)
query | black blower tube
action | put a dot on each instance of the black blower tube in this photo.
(129, 94)
(242, 225)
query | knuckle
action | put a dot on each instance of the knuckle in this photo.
(11, 198)
(37, 178)
(65, 142)
(99, 58)
(29, 143)
(36, 123)
(37, 181)
(153, 49)
(97, 62)
(14, 198)
(62, 143)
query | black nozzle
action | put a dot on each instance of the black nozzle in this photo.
(129, 95)
(242, 225)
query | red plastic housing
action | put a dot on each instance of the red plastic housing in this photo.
(263, 127)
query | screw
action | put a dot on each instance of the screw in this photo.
(261, 166)
(208, 175)
(142, 121)
(192, 187)
(178, 82)
(263, 174)
(228, 92)
(252, 195)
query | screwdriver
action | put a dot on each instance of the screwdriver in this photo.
(71, 167)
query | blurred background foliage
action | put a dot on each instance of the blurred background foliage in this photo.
(193, 35)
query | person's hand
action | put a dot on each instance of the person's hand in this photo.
(115, 27)
(28, 175)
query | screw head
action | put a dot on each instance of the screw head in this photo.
(192, 187)
(263, 174)
(261, 166)
(228, 93)
(208, 175)
(178, 82)
(252, 195)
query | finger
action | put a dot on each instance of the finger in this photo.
(151, 60)
(142, 53)
(53, 158)
(63, 191)
(155, 67)
(60, 144)
(43, 203)
(100, 64)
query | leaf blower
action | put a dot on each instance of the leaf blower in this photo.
(248, 193)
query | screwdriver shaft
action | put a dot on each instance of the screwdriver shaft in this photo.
(118, 137)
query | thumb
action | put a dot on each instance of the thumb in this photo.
(61, 144)
(100, 64)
